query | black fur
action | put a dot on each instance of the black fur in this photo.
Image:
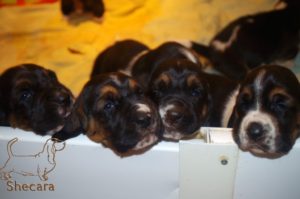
(33, 99)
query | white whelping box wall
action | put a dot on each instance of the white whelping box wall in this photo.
(211, 168)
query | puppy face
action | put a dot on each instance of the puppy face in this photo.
(267, 112)
(115, 112)
(33, 99)
(181, 94)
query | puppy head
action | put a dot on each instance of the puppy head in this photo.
(96, 7)
(181, 94)
(114, 111)
(267, 112)
(33, 99)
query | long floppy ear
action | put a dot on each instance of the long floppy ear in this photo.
(75, 123)
(3, 116)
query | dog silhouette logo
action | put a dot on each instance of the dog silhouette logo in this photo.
(39, 164)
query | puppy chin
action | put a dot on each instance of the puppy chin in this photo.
(176, 136)
(260, 151)
(146, 142)
(55, 130)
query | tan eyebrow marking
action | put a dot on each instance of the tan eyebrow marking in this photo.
(281, 91)
(192, 79)
(164, 78)
(132, 84)
(108, 89)
(105, 90)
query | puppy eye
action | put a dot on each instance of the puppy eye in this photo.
(156, 93)
(196, 92)
(139, 91)
(109, 106)
(279, 103)
(244, 102)
(25, 95)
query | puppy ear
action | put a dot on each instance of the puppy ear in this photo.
(3, 120)
(75, 123)
(67, 7)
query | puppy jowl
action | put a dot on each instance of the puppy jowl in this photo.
(30, 171)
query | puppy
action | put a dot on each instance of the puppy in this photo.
(188, 98)
(32, 99)
(253, 40)
(96, 7)
(266, 117)
(113, 109)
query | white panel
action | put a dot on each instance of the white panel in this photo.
(262, 178)
(87, 170)
(207, 170)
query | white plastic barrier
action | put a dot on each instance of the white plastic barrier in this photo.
(191, 169)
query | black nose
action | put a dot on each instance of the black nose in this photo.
(143, 121)
(175, 116)
(255, 130)
(63, 99)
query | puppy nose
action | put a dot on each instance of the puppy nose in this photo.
(143, 121)
(255, 130)
(175, 116)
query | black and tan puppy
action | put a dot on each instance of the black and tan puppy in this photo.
(188, 98)
(96, 7)
(267, 112)
(181, 109)
(113, 110)
(32, 99)
(271, 37)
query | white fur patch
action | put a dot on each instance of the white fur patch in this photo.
(51, 132)
(268, 124)
(143, 108)
(146, 141)
(163, 110)
(172, 135)
(258, 86)
(132, 62)
(115, 79)
(228, 107)
(189, 55)
(223, 45)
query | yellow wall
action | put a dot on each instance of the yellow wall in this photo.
(39, 34)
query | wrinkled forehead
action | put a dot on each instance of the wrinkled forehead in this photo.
(33, 77)
(116, 85)
(182, 77)
(267, 83)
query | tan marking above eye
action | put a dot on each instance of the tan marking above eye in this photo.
(132, 84)
(246, 91)
(278, 91)
(108, 89)
(104, 91)
(281, 91)
(164, 78)
(21, 81)
(192, 79)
